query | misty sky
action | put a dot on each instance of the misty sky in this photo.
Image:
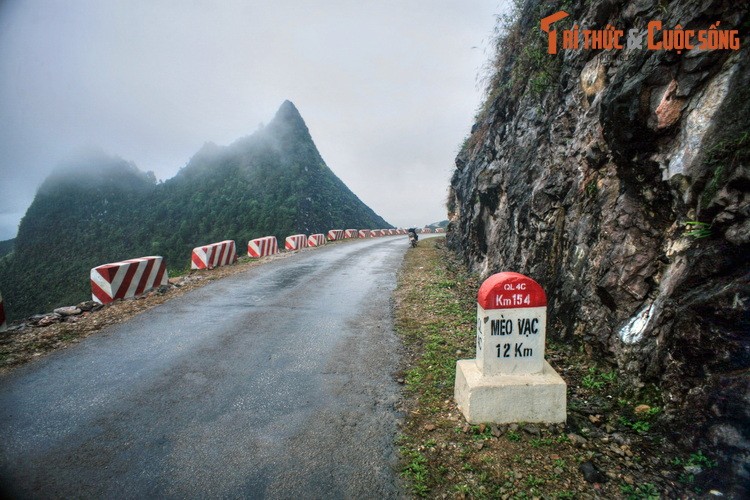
(387, 88)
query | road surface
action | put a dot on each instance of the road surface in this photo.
(272, 383)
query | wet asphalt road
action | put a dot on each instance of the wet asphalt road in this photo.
(273, 383)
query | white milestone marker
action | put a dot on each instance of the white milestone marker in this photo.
(511, 324)
(509, 380)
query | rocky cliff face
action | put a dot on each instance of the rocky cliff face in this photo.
(619, 179)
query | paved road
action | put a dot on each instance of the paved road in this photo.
(273, 383)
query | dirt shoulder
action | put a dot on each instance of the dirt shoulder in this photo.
(612, 445)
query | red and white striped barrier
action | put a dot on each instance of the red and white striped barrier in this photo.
(391, 232)
(316, 240)
(364, 233)
(127, 278)
(261, 247)
(295, 242)
(374, 233)
(426, 230)
(402, 231)
(214, 255)
(335, 234)
(440, 230)
(351, 233)
(3, 325)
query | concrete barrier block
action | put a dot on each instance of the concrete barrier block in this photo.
(316, 240)
(128, 278)
(214, 255)
(335, 234)
(351, 233)
(262, 247)
(295, 242)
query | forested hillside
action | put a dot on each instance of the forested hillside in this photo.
(6, 246)
(102, 209)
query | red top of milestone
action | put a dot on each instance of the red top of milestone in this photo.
(510, 291)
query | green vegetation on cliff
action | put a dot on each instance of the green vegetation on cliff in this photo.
(102, 209)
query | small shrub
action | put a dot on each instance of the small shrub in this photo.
(697, 229)
(646, 491)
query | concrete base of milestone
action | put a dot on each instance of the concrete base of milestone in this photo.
(504, 399)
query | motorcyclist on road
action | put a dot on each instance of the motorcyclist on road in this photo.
(413, 232)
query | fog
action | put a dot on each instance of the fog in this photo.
(388, 89)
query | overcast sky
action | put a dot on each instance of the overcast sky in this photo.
(387, 88)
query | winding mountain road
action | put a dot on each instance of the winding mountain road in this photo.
(272, 383)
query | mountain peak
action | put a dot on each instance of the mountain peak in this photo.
(288, 124)
(288, 108)
(288, 114)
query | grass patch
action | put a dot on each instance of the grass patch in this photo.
(696, 459)
(646, 491)
(598, 380)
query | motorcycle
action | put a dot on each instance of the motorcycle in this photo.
(413, 240)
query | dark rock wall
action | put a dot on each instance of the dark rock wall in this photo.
(588, 171)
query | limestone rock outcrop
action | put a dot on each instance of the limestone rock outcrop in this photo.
(620, 181)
